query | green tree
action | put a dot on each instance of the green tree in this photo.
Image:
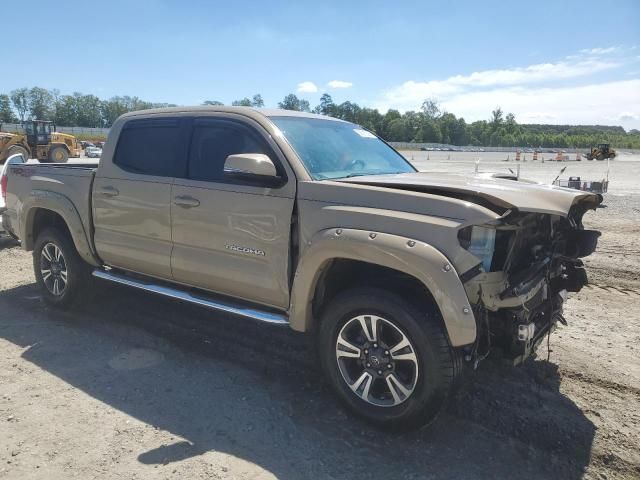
(388, 117)
(212, 102)
(510, 122)
(111, 109)
(19, 98)
(496, 118)
(6, 112)
(326, 107)
(257, 101)
(429, 133)
(431, 109)
(399, 131)
(89, 110)
(245, 102)
(40, 103)
(67, 111)
(292, 102)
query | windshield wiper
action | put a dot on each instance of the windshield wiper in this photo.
(361, 174)
(351, 175)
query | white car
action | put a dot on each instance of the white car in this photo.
(12, 160)
(93, 152)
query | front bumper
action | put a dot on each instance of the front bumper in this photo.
(514, 319)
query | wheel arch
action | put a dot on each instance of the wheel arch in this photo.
(43, 209)
(415, 264)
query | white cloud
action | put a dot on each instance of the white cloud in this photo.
(410, 94)
(307, 87)
(540, 93)
(604, 104)
(599, 51)
(339, 84)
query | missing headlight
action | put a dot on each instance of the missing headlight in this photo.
(480, 242)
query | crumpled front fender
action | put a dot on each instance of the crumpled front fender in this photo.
(418, 259)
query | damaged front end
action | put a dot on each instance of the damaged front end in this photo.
(527, 264)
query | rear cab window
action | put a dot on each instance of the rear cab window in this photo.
(153, 147)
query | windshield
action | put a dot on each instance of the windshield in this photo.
(331, 149)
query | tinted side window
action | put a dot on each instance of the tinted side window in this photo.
(151, 147)
(212, 142)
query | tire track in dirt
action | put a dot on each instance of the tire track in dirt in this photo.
(614, 289)
(599, 382)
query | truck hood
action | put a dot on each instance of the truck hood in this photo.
(497, 194)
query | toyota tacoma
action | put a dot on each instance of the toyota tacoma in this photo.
(402, 277)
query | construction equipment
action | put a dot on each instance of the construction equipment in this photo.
(39, 141)
(601, 152)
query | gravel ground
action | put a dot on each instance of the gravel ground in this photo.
(130, 385)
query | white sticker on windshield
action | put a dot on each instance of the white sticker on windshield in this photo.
(364, 133)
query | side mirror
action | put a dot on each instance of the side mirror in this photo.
(252, 167)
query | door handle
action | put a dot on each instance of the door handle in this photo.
(108, 191)
(186, 202)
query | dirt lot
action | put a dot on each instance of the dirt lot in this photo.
(136, 386)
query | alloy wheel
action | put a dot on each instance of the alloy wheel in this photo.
(377, 360)
(53, 268)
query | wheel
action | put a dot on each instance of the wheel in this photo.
(58, 155)
(18, 149)
(60, 272)
(388, 361)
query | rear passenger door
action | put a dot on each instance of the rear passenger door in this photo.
(230, 236)
(132, 195)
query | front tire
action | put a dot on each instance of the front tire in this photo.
(60, 272)
(58, 155)
(389, 362)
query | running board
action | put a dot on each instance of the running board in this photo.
(222, 306)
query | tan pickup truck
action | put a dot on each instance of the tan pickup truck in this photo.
(402, 277)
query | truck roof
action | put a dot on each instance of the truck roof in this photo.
(248, 111)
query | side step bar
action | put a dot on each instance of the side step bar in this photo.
(222, 306)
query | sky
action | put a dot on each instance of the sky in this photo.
(547, 61)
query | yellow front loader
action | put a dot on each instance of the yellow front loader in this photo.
(602, 152)
(40, 141)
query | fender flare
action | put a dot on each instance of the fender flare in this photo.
(417, 259)
(57, 203)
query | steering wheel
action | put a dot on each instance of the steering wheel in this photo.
(356, 165)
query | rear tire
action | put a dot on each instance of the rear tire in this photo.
(425, 368)
(58, 155)
(60, 272)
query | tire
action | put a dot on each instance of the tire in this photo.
(428, 376)
(58, 155)
(76, 272)
(17, 149)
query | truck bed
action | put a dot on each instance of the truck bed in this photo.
(73, 181)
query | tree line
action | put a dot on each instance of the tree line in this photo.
(429, 124)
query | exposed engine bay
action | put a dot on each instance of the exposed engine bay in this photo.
(529, 263)
(528, 258)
